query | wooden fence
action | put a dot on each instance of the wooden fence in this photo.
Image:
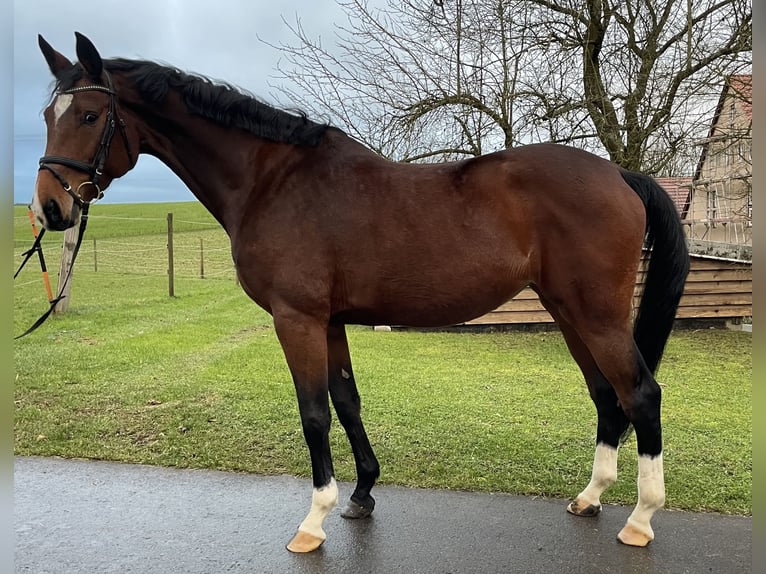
(715, 289)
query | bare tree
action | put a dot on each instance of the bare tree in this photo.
(646, 68)
(435, 79)
(416, 79)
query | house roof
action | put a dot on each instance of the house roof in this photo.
(742, 87)
(679, 190)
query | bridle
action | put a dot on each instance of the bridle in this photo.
(95, 168)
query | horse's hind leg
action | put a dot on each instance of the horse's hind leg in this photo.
(639, 396)
(347, 404)
(598, 330)
(612, 422)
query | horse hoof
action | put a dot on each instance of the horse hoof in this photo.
(304, 542)
(632, 536)
(579, 510)
(355, 510)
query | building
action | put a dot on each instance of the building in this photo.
(678, 189)
(719, 210)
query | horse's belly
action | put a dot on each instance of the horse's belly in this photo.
(435, 305)
(435, 274)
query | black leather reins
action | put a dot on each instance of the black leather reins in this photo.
(37, 247)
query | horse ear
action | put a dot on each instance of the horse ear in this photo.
(89, 56)
(58, 63)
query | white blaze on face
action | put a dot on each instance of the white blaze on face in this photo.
(61, 105)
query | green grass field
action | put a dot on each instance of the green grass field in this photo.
(198, 380)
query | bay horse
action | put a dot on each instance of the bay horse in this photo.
(324, 232)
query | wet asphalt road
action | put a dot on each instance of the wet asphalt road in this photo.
(75, 516)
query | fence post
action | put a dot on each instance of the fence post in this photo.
(201, 260)
(171, 290)
(70, 240)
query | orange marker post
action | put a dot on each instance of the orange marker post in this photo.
(46, 279)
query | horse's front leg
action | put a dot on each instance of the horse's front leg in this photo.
(345, 397)
(304, 342)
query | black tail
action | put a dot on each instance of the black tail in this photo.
(666, 271)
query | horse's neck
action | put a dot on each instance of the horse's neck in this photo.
(218, 165)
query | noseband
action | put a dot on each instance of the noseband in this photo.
(95, 168)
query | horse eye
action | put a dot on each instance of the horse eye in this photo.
(89, 118)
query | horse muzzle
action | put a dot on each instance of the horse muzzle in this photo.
(53, 213)
(55, 219)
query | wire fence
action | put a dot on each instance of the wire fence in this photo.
(199, 249)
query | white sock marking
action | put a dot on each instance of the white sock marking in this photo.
(323, 500)
(603, 476)
(651, 492)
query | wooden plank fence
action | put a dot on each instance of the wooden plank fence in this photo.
(715, 289)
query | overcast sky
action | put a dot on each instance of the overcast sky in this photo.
(217, 38)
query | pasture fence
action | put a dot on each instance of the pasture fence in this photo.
(176, 248)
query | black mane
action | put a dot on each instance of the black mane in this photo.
(217, 101)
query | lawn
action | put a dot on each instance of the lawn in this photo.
(198, 380)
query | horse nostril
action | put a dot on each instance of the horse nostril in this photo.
(52, 213)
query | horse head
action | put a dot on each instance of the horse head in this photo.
(82, 119)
